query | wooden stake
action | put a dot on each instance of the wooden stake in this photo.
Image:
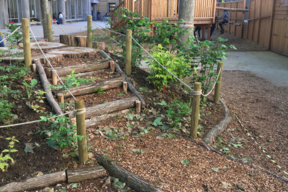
(81, 130)
(203, 32)
(60, 97)
(26, 43)
(112, 66)
(218, 85)
(54, 78)
(33, 68)
(49, 27)
(128, 51)
(125, 86)
(195, 111)
(89, 31)
(138, 107)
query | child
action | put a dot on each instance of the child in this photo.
(225, 18)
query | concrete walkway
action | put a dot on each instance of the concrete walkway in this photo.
(266, 64)
(68, 28)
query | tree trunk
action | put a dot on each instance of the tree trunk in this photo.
(62, 71)
(94, 87)
(44, 12)
(186, 13)
(46, 85)
(81, 41)
(110, 107)
(68, 40)
(78, 175)
(34, 183)
(130, 179)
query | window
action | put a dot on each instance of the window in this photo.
(73, 16)
(285, 2)
(12, 10)
(32, 8)
(112, 6)
(80, 9)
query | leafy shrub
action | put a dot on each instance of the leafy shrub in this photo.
(173, 63)
(176, 110)
(4, 160)
(5, 112)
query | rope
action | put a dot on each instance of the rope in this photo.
(110, 30)
(213, 85)
(104, 32)
(31, 122)
(60, 28)
(80, 111)
(51, 65)
(11, 34)
(196, 92)
(163, 66)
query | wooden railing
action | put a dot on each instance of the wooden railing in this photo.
(169, 9)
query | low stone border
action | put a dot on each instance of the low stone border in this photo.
(218, 128)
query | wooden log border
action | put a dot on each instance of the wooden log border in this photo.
(68, 176)
(210, 136)
(130, 85)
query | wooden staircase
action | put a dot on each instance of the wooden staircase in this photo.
(158, 10)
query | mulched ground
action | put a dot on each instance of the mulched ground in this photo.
(262, 108)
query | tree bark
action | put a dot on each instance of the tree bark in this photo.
(46, 84)
(220, 127)
(94, 87)
(81, 41)
(68, 40)
(110, 107)
(34, 183)
(44, 12)
(78, 175)
(186, 13)
(130, 179)
(62, 71)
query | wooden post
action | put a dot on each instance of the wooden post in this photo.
(125, 87)
(26, 43)
(138, 107)
(54, 78)
(60, 97)
(208, 33)
(128, 51)
(49, 24)
(81, 130)
(142, 8)
(33, 68)
(203, 32)
(218, 85)
(89, 31)
(112, 66)
(195, 111)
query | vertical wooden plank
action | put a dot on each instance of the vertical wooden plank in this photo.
(132, 7)
(259, 20)
(271, 24)
(142, 7)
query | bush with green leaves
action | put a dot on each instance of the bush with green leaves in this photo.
(62, 134)
(206, 55)
(7, 160)
(159, 76)
(17, 36)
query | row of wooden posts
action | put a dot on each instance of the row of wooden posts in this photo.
(80, 106)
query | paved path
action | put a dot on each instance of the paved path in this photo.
(68, 28)
(266, 64)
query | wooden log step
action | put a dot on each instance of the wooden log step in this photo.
(93, 88)
(62, 71)
(45, 45)
(81, 41)
(34, 183)
(68, 40)
(78, 175)
(84, 74)
(74, 52)
(110, 107)
(53, 58)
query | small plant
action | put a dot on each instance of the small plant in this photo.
(5, 112)
(63, 134)
(100, 91)
(176, 110)
(121, 94)
(159, 76)
(145, 89)
(29, 87)
(4, 160)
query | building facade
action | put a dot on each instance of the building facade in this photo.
(73, 10)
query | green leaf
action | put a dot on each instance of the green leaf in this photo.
(185, 161)
(74, 185)
(215, 169)
(163, 103)
(240, 187)
(224, 167)
(157, 122)
(130, 117)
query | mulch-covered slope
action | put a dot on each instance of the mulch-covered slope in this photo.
(262, 108)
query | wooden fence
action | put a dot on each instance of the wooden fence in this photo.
(268, 24)
(236, 25)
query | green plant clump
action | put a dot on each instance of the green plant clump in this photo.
(7, 160)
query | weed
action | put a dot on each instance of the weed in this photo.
(4, 160)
